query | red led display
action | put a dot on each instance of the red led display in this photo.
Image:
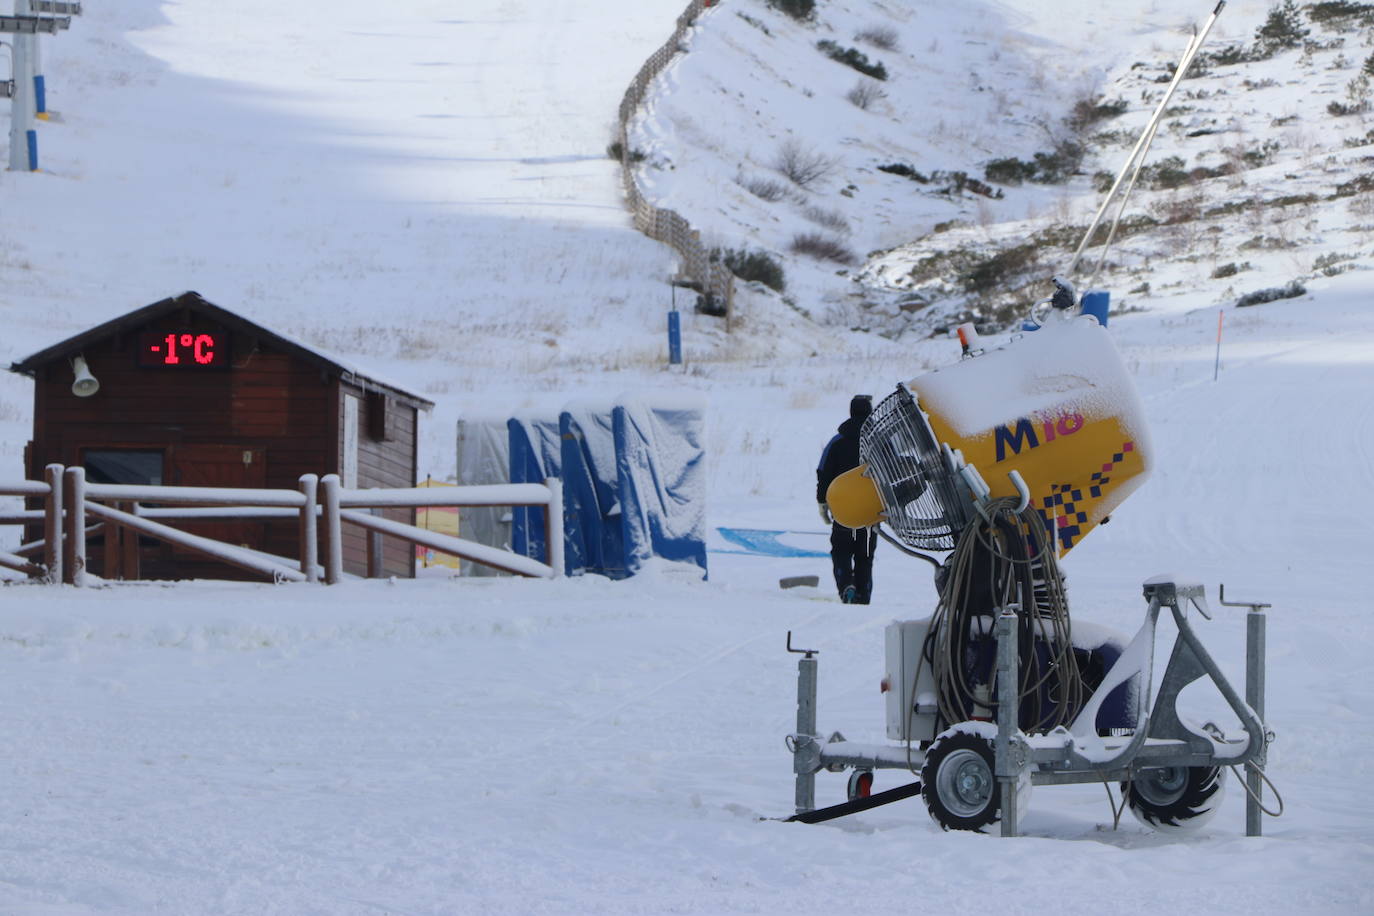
(183, 349)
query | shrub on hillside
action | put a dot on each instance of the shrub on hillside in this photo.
(1086, 112)
(831, 219)
(904, 170)
(1009, 171)
(1272, 294)
(752, 266)
(1229, 270)
(1000, 269)
(1339, 12)
(1054, 167)
(763, 188)
(1333, 262)
(864, 94)
(822, 248)
(803, 167)
(852, 57)
(797, 9)
(883, 37)
(1340, 110)
(1223, 57)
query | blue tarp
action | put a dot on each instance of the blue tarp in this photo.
(535, 456)
(661, 466)
(595, 542)
(633, 484)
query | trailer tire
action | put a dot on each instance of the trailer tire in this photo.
(1176, 799)
(958, 783)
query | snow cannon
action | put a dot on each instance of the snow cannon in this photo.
(1005, 461)
(1052, 419)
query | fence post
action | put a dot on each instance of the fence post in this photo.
(114, 547)
(309, 533)
(52, 524)
(729, 303)
(74, 547)
(333, 528)
(374, 549)
(553, 525)
(130, 563)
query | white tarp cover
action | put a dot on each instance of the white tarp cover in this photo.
(483, 458)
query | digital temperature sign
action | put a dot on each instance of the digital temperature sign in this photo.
(183, 349)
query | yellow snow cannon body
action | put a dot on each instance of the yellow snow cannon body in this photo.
(1056, 406)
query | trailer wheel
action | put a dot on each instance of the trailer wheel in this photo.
(958, 783)
(1176, 798)
(860, 784)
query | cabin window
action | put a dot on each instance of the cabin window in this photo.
(123, 466)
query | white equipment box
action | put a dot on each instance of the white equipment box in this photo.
(909, 682)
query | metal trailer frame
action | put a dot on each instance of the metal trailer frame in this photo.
(1078, 754)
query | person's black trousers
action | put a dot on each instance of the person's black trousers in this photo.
(851, 552)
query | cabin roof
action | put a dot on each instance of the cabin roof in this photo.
(193, 303)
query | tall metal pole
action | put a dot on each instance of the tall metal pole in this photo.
(40, 102)
(23, 137)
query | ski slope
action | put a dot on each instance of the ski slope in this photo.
(423, 187)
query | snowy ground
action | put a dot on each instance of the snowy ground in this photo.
(425, 191)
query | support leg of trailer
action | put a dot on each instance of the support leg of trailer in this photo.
(1008, 774)
(1254, 697)
(806, 726)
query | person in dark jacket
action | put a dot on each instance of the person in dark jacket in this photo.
(851, 549)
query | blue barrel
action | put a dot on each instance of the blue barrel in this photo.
(1096, 302)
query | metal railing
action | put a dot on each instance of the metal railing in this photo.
(320, 505)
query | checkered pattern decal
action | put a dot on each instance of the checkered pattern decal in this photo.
(1060, 510)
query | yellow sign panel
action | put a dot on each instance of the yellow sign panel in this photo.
(442, 519)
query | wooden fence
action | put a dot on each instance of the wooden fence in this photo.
(657, 223)
(320, 505)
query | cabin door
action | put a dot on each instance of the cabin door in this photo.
(220, 466)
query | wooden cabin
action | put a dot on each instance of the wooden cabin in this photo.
(187, 393)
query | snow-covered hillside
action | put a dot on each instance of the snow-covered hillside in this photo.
(1248, 158)
(423, 187)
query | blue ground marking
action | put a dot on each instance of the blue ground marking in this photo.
(763, 543)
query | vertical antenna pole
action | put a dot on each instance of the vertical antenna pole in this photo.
(1216, 368)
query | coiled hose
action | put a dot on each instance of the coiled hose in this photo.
(1004, 560)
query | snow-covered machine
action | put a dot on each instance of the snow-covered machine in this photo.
(1006, 460)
